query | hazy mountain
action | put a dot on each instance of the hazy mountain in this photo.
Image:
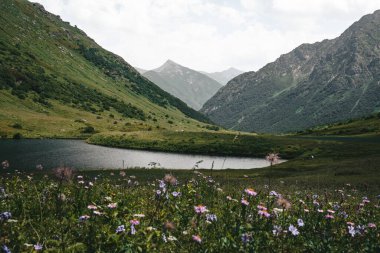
(225, 76)
(192, 87)
(52, 74)
(141, 71)
(314, 84)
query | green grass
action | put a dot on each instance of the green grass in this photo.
(47, 211)
(364, 126)
(321, 161)
(52, 74)
(63, 121)
(212, 143)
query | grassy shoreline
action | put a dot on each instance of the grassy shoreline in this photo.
(206, 143)
(328, 161)
(321, 162)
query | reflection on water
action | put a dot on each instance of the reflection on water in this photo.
(23, 154)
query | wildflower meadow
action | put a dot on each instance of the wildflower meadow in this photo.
(70, 211)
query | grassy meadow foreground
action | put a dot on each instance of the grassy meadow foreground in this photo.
(326, 198)
(184, 211)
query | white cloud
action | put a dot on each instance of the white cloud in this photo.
(208, 35)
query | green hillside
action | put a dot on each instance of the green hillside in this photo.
(56, 81)
(364, 126)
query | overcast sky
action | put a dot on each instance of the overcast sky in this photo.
(209, 35)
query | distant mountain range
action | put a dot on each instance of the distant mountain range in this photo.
(225, 76)
(315, 84)
(56, 81)
(192, 87)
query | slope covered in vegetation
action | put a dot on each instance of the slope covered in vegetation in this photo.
(53, 74)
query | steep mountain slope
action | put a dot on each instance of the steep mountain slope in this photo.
(223, 77)
(188, 85)
(314, 84)
(56, 81)
(140, 70)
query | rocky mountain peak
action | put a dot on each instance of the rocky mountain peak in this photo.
(314, 84)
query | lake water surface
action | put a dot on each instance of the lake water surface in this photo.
(51, 153)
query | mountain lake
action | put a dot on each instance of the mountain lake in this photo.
(52, 153)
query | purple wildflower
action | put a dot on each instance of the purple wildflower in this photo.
(5, 249)
(351, 230)
(176, 194)
(120, 229)
(4, 216)
(84, 218)
(134, 222)
(162, 184)
(246, 238)
(38, 247)
(300, 223)
(293, 230)
(273, 193)
(211, 217)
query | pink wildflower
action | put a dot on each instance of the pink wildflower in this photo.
(244, 202)
(197, 238)
(200, 209)
(272, 158)
(112, 205)
(250, 192)
(134, 222)
(260, 207)
(264, 213)
(92, 207)
(371, 225)
(329, 216)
